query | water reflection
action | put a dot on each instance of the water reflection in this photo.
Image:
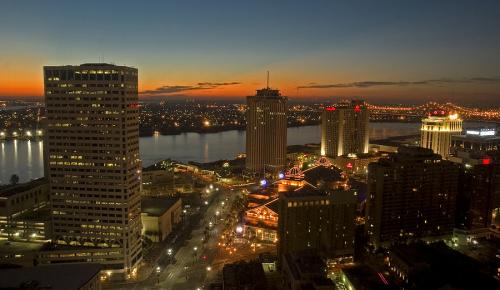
(26, 160)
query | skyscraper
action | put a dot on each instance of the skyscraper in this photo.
(93, 165)
(266, 131)
(344, 129)
(436, 132)
(411, 195)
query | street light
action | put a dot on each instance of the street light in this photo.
(195, 249)
(169, 251)
(209, 268)
(158, 269)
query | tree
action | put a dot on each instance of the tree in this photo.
(14, 179)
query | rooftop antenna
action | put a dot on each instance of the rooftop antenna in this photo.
(268, 80)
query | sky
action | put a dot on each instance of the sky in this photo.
(383, 51)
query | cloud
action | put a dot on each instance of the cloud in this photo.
(368, 84)
(175, 89)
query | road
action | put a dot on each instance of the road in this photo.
(198, 260)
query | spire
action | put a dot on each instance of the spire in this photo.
(267, 79)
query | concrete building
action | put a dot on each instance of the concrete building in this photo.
(344, 129)
(474, 142)
(159, 216)
(317, 217)
(266, 131)
(24, 211)
(436, 132)
(411, 195)
(54, 277)
(93, 165)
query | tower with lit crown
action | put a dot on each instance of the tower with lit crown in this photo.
(436, 132)
(266, 131)
(344, 129)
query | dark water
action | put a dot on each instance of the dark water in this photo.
(25, 158)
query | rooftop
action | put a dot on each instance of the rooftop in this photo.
(9, 190)
(437, 265)
(9, 247)
(156, 206)
(364, 277)
(54, 277)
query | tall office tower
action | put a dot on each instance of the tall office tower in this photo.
(266, 131)
(317, 219)
(411, 195)
(436, 132)
(93, 164)
(344, 129)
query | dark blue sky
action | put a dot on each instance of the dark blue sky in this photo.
(315, 45)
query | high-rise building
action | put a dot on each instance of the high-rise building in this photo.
(479, 193)
(320, 218)
(344, 129)
(266, 131)
(411, 196)
(93, 165)
(436, 132)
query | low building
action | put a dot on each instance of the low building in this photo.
(54, 277)
(24, 211)
(475, 140)
(159, 216)
(305, 270)
(13, 253)
(261, 222)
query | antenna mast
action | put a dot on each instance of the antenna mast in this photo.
(267, 79)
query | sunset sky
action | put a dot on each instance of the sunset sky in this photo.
(385, 51)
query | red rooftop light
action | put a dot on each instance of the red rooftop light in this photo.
(331, 109)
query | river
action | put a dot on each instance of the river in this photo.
(25, 158)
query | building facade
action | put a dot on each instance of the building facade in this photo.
(479, 195)
(344, 129)
(411, 196)
(436, 132)
(25, 211)
(159, 216)
(266, 131)
(313, 219)
(93, 165)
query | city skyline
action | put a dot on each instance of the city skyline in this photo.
(381, 52)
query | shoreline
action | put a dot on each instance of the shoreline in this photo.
(150, 132)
